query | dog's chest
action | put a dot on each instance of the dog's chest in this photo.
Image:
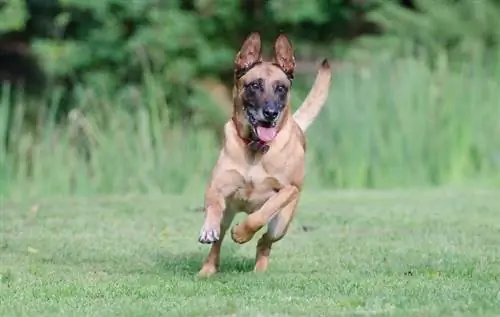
(258, 185)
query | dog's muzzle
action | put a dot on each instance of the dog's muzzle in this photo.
(268, 118)
(271, 112)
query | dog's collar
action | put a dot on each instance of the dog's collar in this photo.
(252, 142)
(242, 71)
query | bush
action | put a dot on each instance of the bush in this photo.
(108, 45)
(464, 30)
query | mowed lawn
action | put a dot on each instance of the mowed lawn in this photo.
(393, 253)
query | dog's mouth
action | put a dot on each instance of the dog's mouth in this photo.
(265, 131)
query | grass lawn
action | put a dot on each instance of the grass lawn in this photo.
(393, 253)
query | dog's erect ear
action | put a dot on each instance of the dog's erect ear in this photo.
(250, 52)
(283, 55)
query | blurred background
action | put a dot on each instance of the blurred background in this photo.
(116, 97)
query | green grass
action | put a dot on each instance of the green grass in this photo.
(384, 253)
(391, 124)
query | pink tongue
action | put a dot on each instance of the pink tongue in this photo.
(266, 134)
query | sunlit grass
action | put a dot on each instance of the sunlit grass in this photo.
(384, 253)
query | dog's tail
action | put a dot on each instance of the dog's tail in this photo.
(316, 97)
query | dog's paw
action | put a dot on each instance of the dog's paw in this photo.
(207, 271)
(261, 264)
(241, 233)
(208, 235)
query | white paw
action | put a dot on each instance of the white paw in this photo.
(208, 235)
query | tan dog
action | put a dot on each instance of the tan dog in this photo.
(260, 169)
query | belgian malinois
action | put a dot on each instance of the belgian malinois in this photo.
(260, 169)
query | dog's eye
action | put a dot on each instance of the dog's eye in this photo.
(281, 89)
(254, 85)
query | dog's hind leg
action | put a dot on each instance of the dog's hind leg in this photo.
(211, 264)
(276, 230)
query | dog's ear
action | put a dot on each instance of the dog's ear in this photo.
(283, 55)
(250, 52)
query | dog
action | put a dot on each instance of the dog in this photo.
(261, 166)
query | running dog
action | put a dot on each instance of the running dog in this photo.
(261, 166)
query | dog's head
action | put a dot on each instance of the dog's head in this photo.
(262, 89)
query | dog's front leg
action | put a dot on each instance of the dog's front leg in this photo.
(218, 218)
(222, 186)
(244, 231)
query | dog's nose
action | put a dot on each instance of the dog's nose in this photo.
(270, 113)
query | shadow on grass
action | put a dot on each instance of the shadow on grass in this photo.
(190, 263)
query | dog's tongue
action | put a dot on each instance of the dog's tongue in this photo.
(266, 134)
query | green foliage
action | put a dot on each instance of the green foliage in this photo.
(12, 15)
(107, 45)
(464, 29)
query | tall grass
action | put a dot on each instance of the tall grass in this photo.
(400, 124)
(393, 124)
